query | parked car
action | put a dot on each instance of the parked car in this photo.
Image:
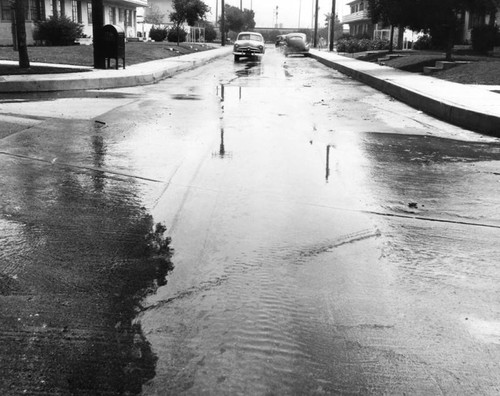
(280, 41)
(296, 43)
(248, 44)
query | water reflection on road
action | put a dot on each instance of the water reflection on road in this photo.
(327, 240)
(293, 275)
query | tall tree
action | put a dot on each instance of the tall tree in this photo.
(188, 11)
(234, 19)
(237, 20)
(248, 19)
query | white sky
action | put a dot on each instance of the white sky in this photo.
(290, 12)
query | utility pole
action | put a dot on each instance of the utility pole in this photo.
(332, 26)
(22, 47)
(241, 5)
(223, 24)
(97, 34)
(315, 41)
(300, 11)
(216, 13)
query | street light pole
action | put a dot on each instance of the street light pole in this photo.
(332, 26)
(300, 11)
(315, 41)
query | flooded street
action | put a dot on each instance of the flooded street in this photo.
(326, 240)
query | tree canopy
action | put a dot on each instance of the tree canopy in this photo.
(426, 14)
(188, 11)
(440, 17)
(237, 20)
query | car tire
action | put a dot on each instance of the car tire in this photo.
(236, 58)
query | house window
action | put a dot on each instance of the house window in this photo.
(58, 11)
(120, 15)
(6, 10)
(361, 6)
(76, 11)
(37, 10)
(89, 13)
(112, 15)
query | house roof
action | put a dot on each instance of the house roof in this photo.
(354, 2)
(130, 3)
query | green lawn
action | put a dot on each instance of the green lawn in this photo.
(82, 55)
(484, 70)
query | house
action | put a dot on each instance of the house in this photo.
(360, 23)
(358, 19)
(470, 21)
(116, 12)
(155, 13)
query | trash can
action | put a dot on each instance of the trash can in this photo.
(113, 40)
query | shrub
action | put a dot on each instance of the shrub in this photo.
(58, 30)
(210, 32)
(423, 43)
(350, 44)
(158, 33)
(172, 35)
(483, 38)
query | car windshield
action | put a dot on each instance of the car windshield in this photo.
(254, 37)
(296, 37)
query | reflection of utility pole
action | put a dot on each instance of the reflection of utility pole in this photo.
(327, 162)
(222, 150)
(332, 26)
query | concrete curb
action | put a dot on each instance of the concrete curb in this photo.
(431, 104)
(142, 74)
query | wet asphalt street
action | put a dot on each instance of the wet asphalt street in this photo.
(321, 238)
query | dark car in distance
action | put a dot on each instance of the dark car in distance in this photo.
(296, 43)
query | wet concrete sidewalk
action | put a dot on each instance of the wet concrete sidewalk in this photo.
(139, 74)
(474, 107)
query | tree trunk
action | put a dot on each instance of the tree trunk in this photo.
(391, 40)
(401, 32)
(449, 44)
(54, 8)
(22, 47)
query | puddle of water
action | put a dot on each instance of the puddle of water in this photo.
(483, 330)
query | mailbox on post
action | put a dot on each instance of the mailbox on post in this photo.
(113, 40)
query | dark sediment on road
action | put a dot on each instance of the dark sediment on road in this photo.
(79, 254)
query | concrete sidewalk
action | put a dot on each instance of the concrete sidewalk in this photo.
(472, 107)
(139, 74)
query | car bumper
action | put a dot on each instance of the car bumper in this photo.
(248, 53)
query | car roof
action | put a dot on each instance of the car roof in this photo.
(296, 34)
(250, 33)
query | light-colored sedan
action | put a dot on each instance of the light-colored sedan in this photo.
(248, 44)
